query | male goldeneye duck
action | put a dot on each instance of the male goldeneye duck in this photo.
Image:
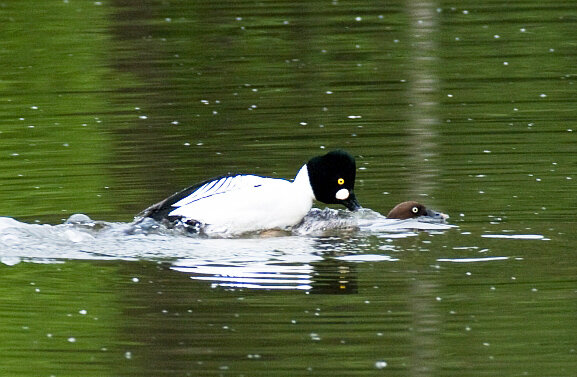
(412, 209)
(238, 203)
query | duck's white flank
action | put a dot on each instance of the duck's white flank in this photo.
(247, 203)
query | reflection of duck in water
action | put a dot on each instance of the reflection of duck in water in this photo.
(412, 209)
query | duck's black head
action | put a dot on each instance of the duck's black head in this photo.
(332, 178)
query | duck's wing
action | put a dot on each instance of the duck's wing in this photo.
(216, 186)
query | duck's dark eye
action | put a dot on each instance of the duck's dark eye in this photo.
(341, 181)
(415, 210)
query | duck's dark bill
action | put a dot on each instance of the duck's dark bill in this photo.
(351, 203)
(436, 215)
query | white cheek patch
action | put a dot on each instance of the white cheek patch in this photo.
(342, 194)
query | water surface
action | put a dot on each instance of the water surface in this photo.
(107, 107)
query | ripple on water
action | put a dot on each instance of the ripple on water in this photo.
(281, 260)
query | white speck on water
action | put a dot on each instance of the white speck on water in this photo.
(354, 116)
(315, 337)
(303, 123)
(142, 117)
(329, 92)
(128, 355)
(496, 36)
(175, 122)
(522, 30)
(135, 280)
(450, 95)
(83, 311)
(72, 339)
(505, 63)
(438, 298)
(186, 144)
(543, 95)
(486, 151)
(381, 364)
(204, 101)
(34, 107)
(358, 19)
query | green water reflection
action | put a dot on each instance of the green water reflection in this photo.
(470, 107)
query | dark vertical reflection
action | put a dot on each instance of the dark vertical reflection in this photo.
(423, 95)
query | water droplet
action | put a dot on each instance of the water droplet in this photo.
(381, 364)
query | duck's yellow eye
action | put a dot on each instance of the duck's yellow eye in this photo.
(415, 210)
(341, 181)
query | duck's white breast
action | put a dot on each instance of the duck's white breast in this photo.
(246, 203)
